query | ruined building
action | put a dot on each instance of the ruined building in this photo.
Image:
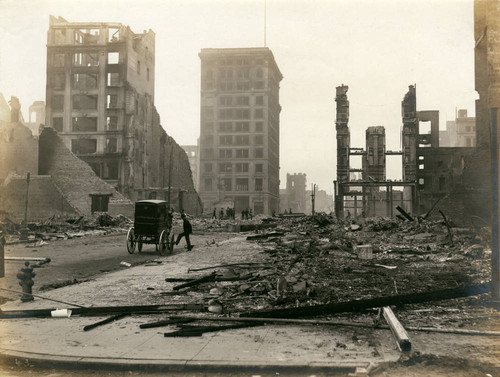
(294, 197)
(41, 178)
(434, 177)
(365, 192)
(239, 142)
(460, 132)
(100, 100)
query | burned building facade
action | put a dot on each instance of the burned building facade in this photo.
(100, 100)
(433, 176)
(100, 96)
(240, 129)
(365, 191)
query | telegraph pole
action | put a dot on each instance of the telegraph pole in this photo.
(26, 203)
(170, 172)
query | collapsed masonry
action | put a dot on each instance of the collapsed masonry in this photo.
(100, 99)
(434, 177)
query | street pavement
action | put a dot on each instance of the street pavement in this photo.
(123, 345)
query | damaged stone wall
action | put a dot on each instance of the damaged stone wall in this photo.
(45, 199)
(75, 178)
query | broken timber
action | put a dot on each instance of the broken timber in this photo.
(165, 322)
(287, 321)
(200, 330)
(397, 329)
(404, 213)
(95, 311)
(105, 321)
(358, 305)
(203, 279)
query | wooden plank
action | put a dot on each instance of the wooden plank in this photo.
(130, 309)
(404, 213)
(203, 279)
(335, 323)
(398, 331)
(166, 322)
(358, 305)
(105, 321)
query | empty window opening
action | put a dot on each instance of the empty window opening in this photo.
(110, 170)
(112, 101)
(57, 102)
(59, 80)
(59, 36)
(113, 57)
(83, 146)
(84, 102)
(85, 80)
(424, 127)
(84, 124)
(99, 202)
(85, 59)
(57, 123)
(111, 145)
(113, 35)
(111, 123)
(113, 79)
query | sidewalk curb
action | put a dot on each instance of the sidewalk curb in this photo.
(48, 361)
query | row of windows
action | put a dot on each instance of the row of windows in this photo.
(91, 59)
(208, 153)
(84, 102)
(233, 140)
(85, 124)
(225, 86)
(89, 146)
(230, 127)
(86, 35)
(240, 100)
(84, 81)
(227, 167)
(233, 61)
(226, 184)
(230, 73)
(208, 113)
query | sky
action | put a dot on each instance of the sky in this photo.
(376, 47)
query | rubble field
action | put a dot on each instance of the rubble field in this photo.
(315, 260)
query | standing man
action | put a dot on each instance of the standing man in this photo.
(188, 229)
(214, 215)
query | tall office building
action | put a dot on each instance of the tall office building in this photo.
(239, 129)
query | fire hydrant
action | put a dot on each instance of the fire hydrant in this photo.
(26, 276)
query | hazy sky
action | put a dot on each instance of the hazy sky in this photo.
(378, 48)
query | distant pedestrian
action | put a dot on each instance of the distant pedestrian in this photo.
(250, 213)
(290, 211)
(221, 213)
(214, 215)
(243, 214)
(187, 230)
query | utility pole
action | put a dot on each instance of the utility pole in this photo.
(170, 172)
(495, 257)
(26, 203)
(313, 196)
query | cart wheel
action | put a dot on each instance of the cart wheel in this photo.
(139, 244)
(171, 245)
(131, 241)
(163, 243)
